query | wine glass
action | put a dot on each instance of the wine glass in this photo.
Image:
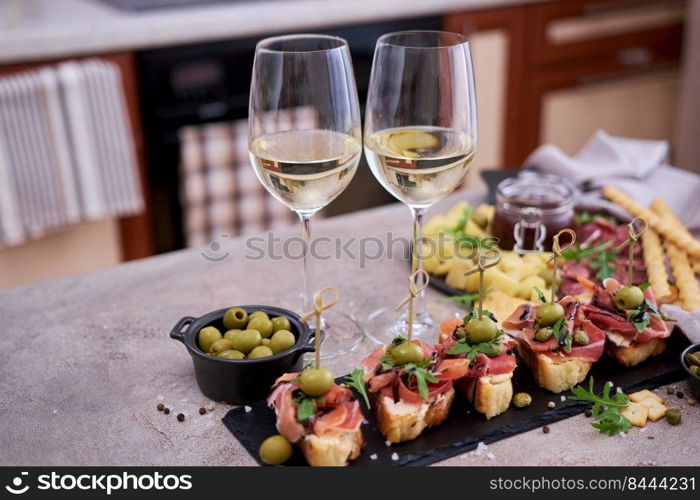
(305, 141)
(420, 137)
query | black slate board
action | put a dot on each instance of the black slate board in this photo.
(463, 431)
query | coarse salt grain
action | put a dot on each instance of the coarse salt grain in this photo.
(480, 448)
(394, 456)
(387, 442)
(490, 456)
(373, 456)
(183, 400)
(210, 407)
(619, 389)
(247, 409)
(623, 434)
(642, 429)
(160, 397)
(563, 398)
(54, 412)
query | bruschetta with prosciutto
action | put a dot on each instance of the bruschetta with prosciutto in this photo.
(557, 341)
(487, 383)
(410, 387)
(326, 427)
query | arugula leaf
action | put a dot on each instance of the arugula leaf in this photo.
(563, 335)
(306, 408)
(422, 376)
(605, 409)
(386, 363)
(540, 295)
(462, 221)
(586, 218)
(639, 318)
(356, 380)
(644, 286)
(601, 262)
(490, 348)
(578, 253)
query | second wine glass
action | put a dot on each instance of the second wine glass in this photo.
(420, 137)
(305, 141)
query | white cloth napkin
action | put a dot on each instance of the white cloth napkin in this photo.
(636, 166)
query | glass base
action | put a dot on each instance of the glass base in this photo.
(343, 333)
(384, 324)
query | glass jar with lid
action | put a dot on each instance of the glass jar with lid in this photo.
(530, 209)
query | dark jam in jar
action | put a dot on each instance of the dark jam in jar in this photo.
(534, 207)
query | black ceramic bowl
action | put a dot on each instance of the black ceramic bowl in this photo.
(693, 380)
(246, 380)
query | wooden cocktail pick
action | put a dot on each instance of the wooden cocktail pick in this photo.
(319, 306)
(414, 289)
(486, 260)
(633, 236)
(557, 250)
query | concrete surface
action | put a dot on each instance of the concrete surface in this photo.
(85, 360)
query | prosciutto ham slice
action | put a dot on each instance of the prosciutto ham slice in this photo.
(521, 325)
(604, 314)
(483, 365)
(338, 410)
(393, 385)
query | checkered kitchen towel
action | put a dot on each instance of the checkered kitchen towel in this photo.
(219, 191)
(66, 153)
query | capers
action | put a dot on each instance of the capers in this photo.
(548, 314)
(281, 341)
(275, 450)
(231, 354)
(247, 340)
(260, 352)
(261, 324)
(220, 346)
(280, 323)
(673, 416)
(629, 297)
(316, 381)
(522, 400)
(482, 329)
(235, 318)
(207, 336)
(580, 337)
(407, 352)
(544, 334)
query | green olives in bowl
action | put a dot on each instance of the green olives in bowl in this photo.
(239, 365)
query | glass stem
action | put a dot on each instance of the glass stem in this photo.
(305, 219)
(417, 256)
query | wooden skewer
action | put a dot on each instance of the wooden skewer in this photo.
(487, 259)
(319, 306)
(634, 235)
(557, 250)
(414, 289)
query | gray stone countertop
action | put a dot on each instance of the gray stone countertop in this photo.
(84, 360)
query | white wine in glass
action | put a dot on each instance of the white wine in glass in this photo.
(305, 142)
(420, 137)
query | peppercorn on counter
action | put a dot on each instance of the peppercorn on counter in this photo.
(86, 361)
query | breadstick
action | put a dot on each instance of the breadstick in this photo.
(688, 289)
(656, 267)
(669, 232)
(696, 266)
(661, 208)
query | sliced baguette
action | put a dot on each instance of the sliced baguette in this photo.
(554, 375)
(489, 395)
(401, 421)
(332, 450)
(634, 353)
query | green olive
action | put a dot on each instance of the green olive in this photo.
(280, 323)
(282, 340)
(481, 330)
(265, 342)
(231, 333)
(673, 416)
(629, 297)
(408, 352)
(275, 450)
(236, 317)
(580, 337)
(221, 345)
(316, 381)
(207, 336)
(247, 340)
(260, 352)
(258, 313)
(544, 334)
(522, 400)
(263, 325)
(548, 314)
(231, 354)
